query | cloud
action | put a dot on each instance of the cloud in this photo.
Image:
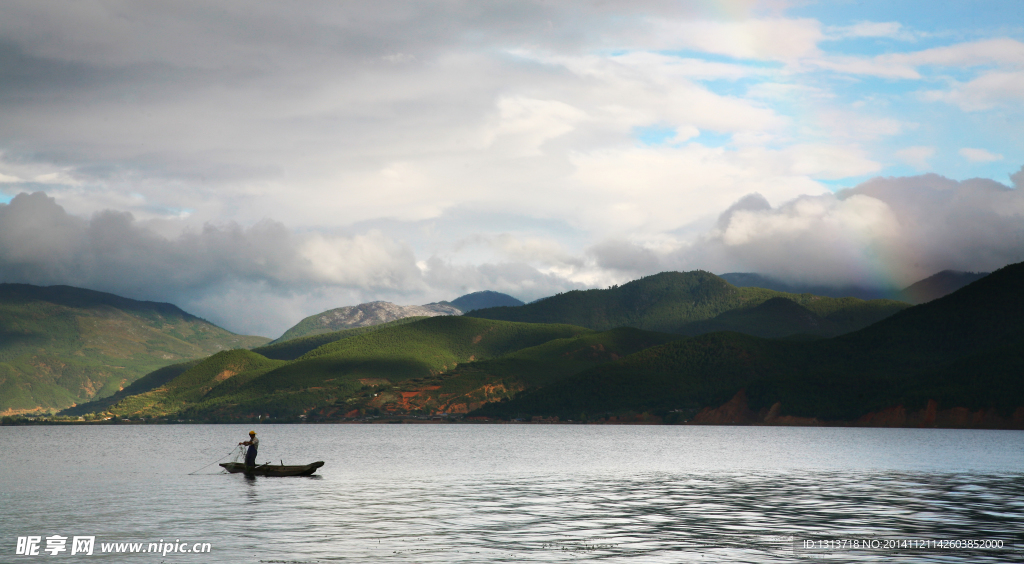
(534, 250)
(831, 161)
(858, 126)
(260, 279)
(41, 244)
(370, 260)
(661, 67)
(338, 114)
(884, 232)
(408, 150)
(625, 257)
(1017, 179)
(514, 278)
(527, 123)
(1001, 52)
(893, 30)
(876, 66)
(779, 39)
(916, 156)
(979, 155)
(692, 183)
(641, 88)
(332, 114)
(985, 92)
(265, 277)
(750, 203)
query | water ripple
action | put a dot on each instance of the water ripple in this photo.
(476, 494)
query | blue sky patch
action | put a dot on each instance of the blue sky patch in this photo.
(654, 134)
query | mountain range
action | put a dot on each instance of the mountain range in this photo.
(422, 364)
(375, 313)
(372, 370)
(954, 361)
(810, 319)
(776, 322)
(61, 345)
(571, 345)
(922, 291)
(691, 303)
(363, 315)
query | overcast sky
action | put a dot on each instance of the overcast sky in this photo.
(257, 162)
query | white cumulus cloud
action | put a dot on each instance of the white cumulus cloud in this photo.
(887, 231)
(979, 155)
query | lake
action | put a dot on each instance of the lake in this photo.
(515, 493)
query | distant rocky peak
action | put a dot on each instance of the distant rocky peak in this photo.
(375, 313)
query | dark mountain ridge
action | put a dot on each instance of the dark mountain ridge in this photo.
(486, 298)
(688, 303)
(938, 285)
(962, 351)
(71, 296)
(926, 290)
(755, 280)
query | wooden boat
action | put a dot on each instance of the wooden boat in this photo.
(269, 469)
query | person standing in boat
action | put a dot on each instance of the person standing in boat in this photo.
(250, 455)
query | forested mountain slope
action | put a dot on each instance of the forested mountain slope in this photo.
(61, 345)
(688, 303)
(960, 351)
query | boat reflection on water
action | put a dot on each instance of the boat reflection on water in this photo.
(273, 470)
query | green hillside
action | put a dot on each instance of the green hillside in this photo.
(470, 386)
(332, 374)
(294, 348)
(442, 364)
(692, 303)
(963, 350)
(773, 318)
(195, 383)
(61, 345)
(544, 364)
(149, 382)
(684, 374)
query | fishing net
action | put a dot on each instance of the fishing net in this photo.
(238, 453)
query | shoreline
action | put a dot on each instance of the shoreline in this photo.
(875, 424)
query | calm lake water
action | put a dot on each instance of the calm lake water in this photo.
(515, 493)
